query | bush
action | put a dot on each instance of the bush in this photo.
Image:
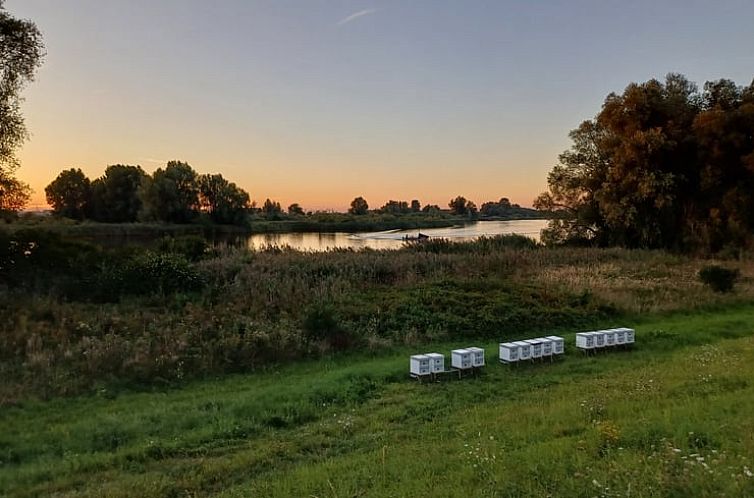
(720, 279)
(321, 324)
(192, 247)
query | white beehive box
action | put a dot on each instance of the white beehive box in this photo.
(546, 346)
(585, 340)
(536, 347)
(620, 336)
(461, 359)
(508, 352)
(436, 362)
(609, 337)
(630, 335)
(524, 350)
(477, 357)
(558, 344)
(599, 338)
(420, 365)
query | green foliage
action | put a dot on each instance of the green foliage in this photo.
(78, 315)
(718, 278)
(660, 166)
(191, 247)
(70, 194)
(482, 245)
(36, 258)
(321, 324)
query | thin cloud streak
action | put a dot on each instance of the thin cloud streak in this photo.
(356, 15)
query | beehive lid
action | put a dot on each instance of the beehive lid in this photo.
(419, 357)
(460, 351)
(475, 349)
(508, 345)
(433, 355)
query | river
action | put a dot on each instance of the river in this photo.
(393, 239)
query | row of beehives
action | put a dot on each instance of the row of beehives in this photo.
(434, 363)
(587, 341)
(531, 349)
(512, 352)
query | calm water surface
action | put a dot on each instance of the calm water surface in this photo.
(393, 239)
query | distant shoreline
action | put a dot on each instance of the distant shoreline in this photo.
(347, 224)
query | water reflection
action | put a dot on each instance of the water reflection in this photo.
(393, 239)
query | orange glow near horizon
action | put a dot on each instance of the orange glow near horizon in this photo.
(327, 189)
(321, 102)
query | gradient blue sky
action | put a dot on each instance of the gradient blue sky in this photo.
(320, 101)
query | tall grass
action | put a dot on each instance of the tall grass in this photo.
(256, 309)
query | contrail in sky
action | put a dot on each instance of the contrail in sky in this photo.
(356, 15)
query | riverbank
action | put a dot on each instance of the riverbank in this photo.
(669, 418)
(315, 223)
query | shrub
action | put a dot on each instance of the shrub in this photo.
(320, 324)
(719, 279)
(192, 247)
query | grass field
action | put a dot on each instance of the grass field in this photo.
(670, 418)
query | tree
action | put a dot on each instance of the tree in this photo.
(295, 209)
(14, 194)
(431, 209)
(271, 209)
(21, 53)
(222, 200)
(359, 206)
(395, 207)
(115, 196)
(660, 166)
(503, 207)
(416, 206)
(69, 194)
(172, 194)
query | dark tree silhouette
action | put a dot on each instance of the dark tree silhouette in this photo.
(21, 52)
(69, 194)
(222, 200)
(359, 206)
(115, 196)
(295, 209)
(171, 194)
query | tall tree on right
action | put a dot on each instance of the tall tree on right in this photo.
(661, 166)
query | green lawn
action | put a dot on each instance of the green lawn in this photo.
(673, 417)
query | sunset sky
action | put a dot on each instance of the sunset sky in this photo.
(317, 102)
